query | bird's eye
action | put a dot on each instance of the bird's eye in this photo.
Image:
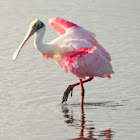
(34, 25)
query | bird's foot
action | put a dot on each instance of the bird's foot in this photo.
(67, 92)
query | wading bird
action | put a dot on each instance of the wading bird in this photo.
(75, 50)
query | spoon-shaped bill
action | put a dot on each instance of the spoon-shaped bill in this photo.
(15, 55)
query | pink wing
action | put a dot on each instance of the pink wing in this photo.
(60, 25)
(84, 61)
(87, 62)
(94, 42)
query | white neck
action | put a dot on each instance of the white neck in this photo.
(44, 49)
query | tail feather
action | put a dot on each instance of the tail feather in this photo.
(109, 77)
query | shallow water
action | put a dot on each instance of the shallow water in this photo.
(31, 87)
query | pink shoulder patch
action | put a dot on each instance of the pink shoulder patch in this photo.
(60, 25)
(70, 58)
(79, 53)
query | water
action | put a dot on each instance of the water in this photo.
(31, 88)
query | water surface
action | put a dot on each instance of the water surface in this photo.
(31, 87)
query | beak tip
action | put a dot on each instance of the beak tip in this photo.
(14, 57)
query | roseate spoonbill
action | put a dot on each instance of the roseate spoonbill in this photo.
(75, 50)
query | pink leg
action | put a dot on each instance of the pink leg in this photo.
(87, 80)
(70, 89)
(82, 92)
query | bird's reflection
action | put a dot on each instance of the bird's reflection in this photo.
(81, 124)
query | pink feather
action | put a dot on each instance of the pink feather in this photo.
(87, 62)
(87, 57)
(60, 25)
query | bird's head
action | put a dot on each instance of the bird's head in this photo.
(34, 27)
